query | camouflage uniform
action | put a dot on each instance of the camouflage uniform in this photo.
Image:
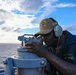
(66, 52)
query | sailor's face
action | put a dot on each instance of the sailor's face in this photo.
(49, 38)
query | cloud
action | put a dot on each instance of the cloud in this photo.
(12, 21)
(8, 5)
(62, 5)
(69, 27)
(18, 30)
(9, 37)
(2, 22)
(48, 9)
(32, 6)
(6, 29)
(16, 15)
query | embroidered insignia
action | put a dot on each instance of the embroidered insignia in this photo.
(43, 25)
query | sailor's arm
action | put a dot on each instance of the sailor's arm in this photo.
(64, 67)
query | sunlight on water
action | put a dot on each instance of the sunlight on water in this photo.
(7, 50)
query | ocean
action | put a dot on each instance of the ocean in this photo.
(7, 50)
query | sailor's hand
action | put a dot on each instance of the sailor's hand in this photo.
(36, 48)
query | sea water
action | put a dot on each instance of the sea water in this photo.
(7, 50)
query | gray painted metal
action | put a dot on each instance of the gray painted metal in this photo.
(25, 63)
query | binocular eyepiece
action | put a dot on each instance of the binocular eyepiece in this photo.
(29, 38)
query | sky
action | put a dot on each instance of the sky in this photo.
(18, 17)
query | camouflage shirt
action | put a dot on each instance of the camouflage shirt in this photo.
(66, 52)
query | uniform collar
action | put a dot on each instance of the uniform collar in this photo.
(70, 38)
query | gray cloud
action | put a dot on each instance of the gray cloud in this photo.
(7, 29)
(18, 30)
(4, 15)
(70, 27)
(11, 23)
(50, 8)
(31, 6)
(4, 11)
(62, 5)
(13, 29)
(2, 22)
